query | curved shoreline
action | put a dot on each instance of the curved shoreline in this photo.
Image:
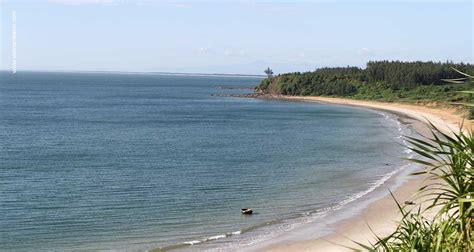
(445, 119)
(381, 214)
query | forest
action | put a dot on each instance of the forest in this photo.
(379, 80)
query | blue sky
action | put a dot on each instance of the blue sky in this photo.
(231, 36)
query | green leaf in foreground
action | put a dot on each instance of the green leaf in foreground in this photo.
(449, 166)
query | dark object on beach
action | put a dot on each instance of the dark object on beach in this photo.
(409, 203)
(246, 211)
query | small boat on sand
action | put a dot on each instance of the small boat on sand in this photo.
(246, 211)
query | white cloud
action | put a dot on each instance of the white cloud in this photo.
(301, 55)
(182, 5)
(203, 50)
(232, 53)
(365, 52)
(81, 2)
(159, 3)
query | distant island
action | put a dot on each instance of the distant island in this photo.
(421, 82)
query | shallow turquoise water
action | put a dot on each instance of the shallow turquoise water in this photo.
(140, 161)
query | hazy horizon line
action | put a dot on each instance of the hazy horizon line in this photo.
(139, 72)
(221, 74)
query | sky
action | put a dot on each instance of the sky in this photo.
(230, 36)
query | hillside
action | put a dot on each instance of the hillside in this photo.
(380, 80)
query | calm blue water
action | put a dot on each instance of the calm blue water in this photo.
(136, 161)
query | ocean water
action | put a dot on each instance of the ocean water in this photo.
(101, 161)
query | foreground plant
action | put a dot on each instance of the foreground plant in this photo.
(417, 233)
(448, 160)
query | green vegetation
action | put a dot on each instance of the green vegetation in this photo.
(466, 79)
(380, 80)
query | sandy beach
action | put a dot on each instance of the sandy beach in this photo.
(446, 119)
(382, 214)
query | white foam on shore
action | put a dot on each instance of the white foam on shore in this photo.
(310, 217)
(213, 238)
(280, 229)
(192, 242)
(216, 237)
(273, 231)
(400, 130)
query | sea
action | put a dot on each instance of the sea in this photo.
(150, 161)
